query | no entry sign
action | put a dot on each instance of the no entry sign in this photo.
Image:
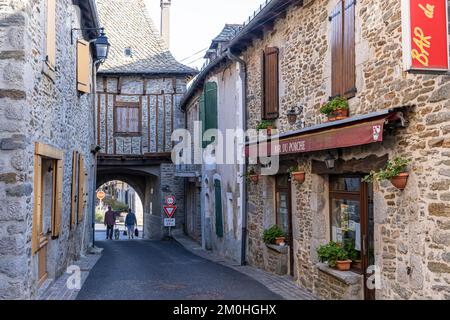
(170, 210)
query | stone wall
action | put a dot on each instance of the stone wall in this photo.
(411, 227)
(38, 107)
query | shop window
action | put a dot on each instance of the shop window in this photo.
(342, 42)
(270, 83)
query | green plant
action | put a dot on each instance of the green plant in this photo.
(264, 124)
(99, 216)
(353, 254)
(331, 253)
(250, 172)
(272, 233)
(116, 205)
(392, 169)
(293, 169)
(333, 105)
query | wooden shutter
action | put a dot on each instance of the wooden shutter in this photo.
(336, 42)
(133, 120)
(121, 120)
(83, 66)
(73, 216)
(127, 118)
(51, 34)
(57, 218)
(218, 204)
(210, 102)
(349, 79)
(37, 203)
(81, 188)
(270, 83)
(202, 117)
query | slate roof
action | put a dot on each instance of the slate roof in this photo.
(128, 24)
(228, 33)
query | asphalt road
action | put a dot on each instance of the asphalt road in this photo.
(164, 270)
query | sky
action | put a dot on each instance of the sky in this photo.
(194, 23)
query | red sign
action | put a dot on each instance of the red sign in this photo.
(170, 210)
(426, 32)
(170, 200)
(358, 134)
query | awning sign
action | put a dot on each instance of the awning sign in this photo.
(425, 34)
(348, 136)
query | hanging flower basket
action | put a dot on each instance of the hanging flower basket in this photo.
(298, 176)
(253, 178)
(400, 180)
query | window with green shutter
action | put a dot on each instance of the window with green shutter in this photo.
(202, 117)
(218, 203)
(209, 115)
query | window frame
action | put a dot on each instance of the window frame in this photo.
(128, 105)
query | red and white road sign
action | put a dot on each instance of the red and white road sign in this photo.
(170, 210)
(170, 200)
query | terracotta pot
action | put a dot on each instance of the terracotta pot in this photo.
(357, 264)
(298, 176)
(280, 240)
(254, 178)
(331, 117)
(343, 265)
(269, 130)
(341, 114)
(400, 181)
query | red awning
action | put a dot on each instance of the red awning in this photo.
(341, 134)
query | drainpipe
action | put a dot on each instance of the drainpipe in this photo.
(244, 204)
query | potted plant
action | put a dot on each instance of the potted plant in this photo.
(336, 109)
(335, 256)
(266, 125)
(394, 171)
(252, 176)
(274, 235)
(353, 255)
(297, 174)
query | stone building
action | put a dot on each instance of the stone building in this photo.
(215, 99)
(47, 72)
(139, 90)
(298, 55)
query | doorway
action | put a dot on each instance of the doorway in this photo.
(352, 222)
(284, 213)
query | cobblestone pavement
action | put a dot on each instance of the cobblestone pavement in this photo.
(58, 290)
(281, 285)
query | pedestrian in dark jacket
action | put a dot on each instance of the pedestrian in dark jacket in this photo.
(110, 222)
(130, 222)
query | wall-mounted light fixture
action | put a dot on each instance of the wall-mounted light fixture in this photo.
(101, 43)
(293, 114)
(330, 161)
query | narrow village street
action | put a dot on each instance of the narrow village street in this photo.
(160, 270)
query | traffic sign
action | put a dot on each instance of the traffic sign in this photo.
(169, 222)
(170, 200)
(170, 210)
(101, 195)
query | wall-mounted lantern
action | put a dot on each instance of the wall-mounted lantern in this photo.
(330, 161)
(293, 114)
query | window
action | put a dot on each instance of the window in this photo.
(128, 52)
(50, 44)
(218, 205)
(83, 66)
(208, 109)
(127, 118)
(48, 183)
(270, 83)
(343, 76)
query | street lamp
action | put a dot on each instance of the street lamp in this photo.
(330, 161)
(292, 114)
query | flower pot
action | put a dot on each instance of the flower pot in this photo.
(343, 265)
(400, 181)
(341, 114)
(269, 130)
(331, 117)
(357, 264)
(298, 176)
(280, 241)
(254, 178)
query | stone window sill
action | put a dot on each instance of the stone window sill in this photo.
(347, 277)
(279, 249)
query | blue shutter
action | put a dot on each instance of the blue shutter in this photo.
(218, 203)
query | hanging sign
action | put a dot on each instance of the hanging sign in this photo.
(425, 35)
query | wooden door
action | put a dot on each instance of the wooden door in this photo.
(284, 213)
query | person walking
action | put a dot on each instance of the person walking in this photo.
(110, 222)
(130, 222)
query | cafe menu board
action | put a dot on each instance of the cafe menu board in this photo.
(425, 35)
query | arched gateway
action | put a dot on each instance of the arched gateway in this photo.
(139, 89)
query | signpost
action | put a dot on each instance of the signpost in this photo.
(169, 210)
(101, 195)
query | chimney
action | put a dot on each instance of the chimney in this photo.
(165, 21)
